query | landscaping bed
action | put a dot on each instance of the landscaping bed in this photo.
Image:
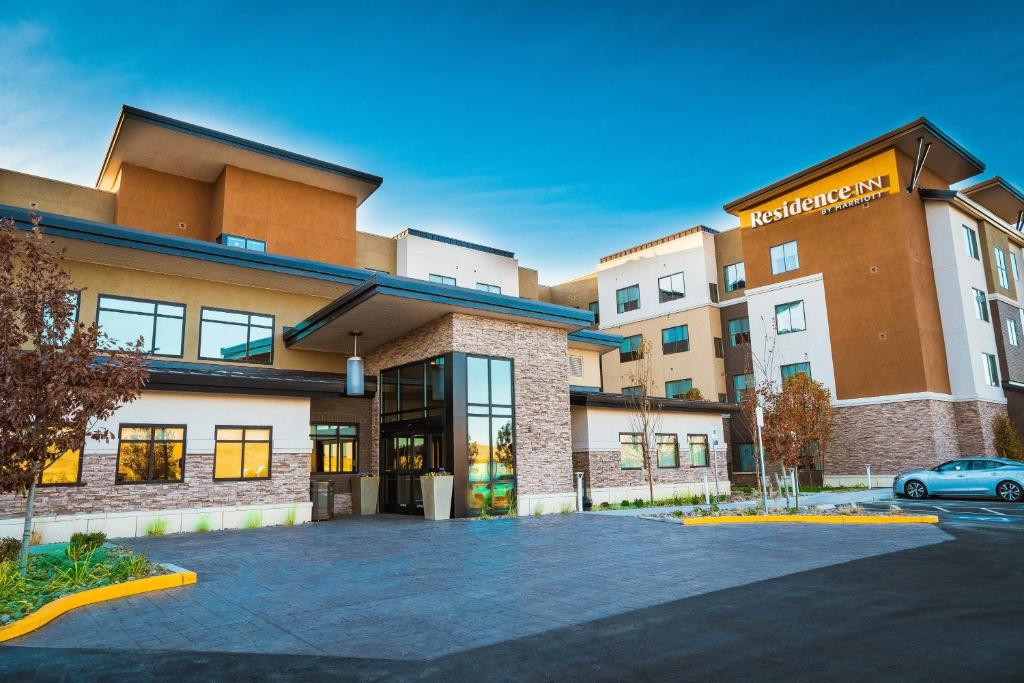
(84, 563)
(738, 494)
(807, 513)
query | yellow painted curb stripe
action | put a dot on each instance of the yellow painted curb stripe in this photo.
(52, 610)
(814, 519)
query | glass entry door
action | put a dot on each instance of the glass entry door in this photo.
(405, 456)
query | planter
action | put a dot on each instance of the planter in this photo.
(364, 495)
(437, 496)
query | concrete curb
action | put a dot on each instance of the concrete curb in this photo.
(814, 519)
(51, 610)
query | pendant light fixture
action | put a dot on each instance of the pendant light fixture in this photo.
(355, 380)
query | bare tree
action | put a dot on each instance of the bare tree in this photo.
(58, 377)
(645, 409)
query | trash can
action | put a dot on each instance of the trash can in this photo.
(322, 495)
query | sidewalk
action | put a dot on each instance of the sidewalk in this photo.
(819, 499)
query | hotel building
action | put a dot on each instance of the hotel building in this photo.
(241, 268)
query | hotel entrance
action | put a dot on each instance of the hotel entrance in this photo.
(406, 455)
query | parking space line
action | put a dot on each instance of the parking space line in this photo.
(994, 512)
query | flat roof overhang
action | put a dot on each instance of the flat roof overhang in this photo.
(947, 159)
(599, 399)
(592, 340)
(164, 144)
(999, 197)
(386, 307)
(232, 379)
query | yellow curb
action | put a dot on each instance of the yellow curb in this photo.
(814, 519)
(52, 610)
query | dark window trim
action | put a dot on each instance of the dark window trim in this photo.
(684, 379)
(707, 453)
(486, 287)
(678, 346)
(719, 347)
(248, 334)
(156, 302)
(771, 263)
(641, 465)
(220, 240)
(670, 295)
(658, 454)
(356, 464)
(739, 283)
(454, 281)
(737, 335)
(78, 477)
(244, 428)
(424, 362)
(151, 425)
(478, 410)
(803, 310)
(630, 356)
(789, 365)
(737, 459)
(595, 308)
(623, 307)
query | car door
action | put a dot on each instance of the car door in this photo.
(949, 478)
(983, 477)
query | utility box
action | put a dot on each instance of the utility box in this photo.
(322, 495)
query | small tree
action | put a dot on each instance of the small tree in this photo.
(1006, 439)
(798, 419)
(57, 378)
(645, 410)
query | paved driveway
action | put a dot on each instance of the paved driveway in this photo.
(400, 588)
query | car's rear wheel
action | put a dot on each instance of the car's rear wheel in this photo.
(915, 489)
(1010, 491)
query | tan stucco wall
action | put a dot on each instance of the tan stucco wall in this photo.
(376, 252)
(728, 250)
(528, 287)
(990, 238)
(158, 202)
(698, 364)
(55, 197)
(591, 362)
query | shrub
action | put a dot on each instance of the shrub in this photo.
(1005, 439)
(157, 527)
(538, 509)
(83, 543)
(9, 549)
(624, 503)
(604, 505)
(567, 508)
(693, 395)
(252, 520)
(203, 524)
(289, 517)
(638, 502)
(752, 510)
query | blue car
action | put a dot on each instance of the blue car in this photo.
(991, 477)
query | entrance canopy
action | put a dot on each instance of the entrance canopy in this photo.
(385, 307)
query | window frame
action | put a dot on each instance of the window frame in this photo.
(782, 369)
(490, 289)
(639, 443)
(739, 456)
(248, 338)
(1014, 266)
(991, 368)
(77, 293)
(788, 306)
(1012, 334)
(152, 426)
(665, 296)
(668, 348)
(155, 314)
(782, 246)
(737, 283)
(734, 337)
(748, 383)
(676, 395)
(595, 308)
(437, 279)
(971, 242)
(337, 438)
(620, 306)
(1001, 270)
(630, 393)
(244, 441)
(78, 475)
(221, 239)
(657, 449)
(981, 305)
(707, 449)
(632, 353)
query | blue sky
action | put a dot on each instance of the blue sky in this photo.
(561, 131)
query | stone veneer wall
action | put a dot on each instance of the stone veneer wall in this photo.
(353, 410)
(601, 470)
(289, 483)
(974, 426)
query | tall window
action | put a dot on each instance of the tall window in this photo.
(335, 448)
(1014, 267)
(971, 242)
(1004, 278)
(627, 299)
(671, 287)
(980, 305)
(790, 317)
(596, 310)
(151, 454)
(631, 348)
(739, 331)
(785, 258)
(668, 450)
(719, 347)
(630, 452)
(991, 370)
(675, 339)
(491, 433)
(745, 458)
(633, 391)
(442, 279)
(698, 450)
(484, 287)
(242, 453)
(161, 325)
(677, 388)
(242, 242)
(236, 336)
(1011, 332)
(413, 391)
(740, 383)
(793, 368)
(735, 276)
(67, 469)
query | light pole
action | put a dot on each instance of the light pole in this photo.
(760, 451)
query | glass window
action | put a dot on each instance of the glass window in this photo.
(633, 391)
(151, 453)
(671, 287)
(335, 448)
(484, 287)
(735, 276)
(236, 336)
(991, 370)
(698, 450)
(67, 469)
(442, 279)
(677, 388)
(1011, 332)
(413, 391)
(160, 325)
(739, 331)
(745, 458)
(668, 450)
(790, 317)
(980, 305)
(596, 310)
(491, 433)
(242, 453)
(631, 348)
(627, 299)
(1013, 266)
(675, 339)
(73, 300)
(784, 258)
(243, 242)
(1004, 278)
(630, 452)
(794, 368)
(971, 241)
(719, 347)
(985, 464)
(741, 383)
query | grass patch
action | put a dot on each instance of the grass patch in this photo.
(252, 520)
(538, 509)
(567, 508)
(289, 517)
(157, 527)
(203, 524)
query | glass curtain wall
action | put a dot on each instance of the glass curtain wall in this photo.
(491, 435)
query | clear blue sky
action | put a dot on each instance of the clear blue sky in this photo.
(560, 131)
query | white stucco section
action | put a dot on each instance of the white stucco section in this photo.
(201, 413)
(693, 255)
(419, 257)
(813, 345)
(956, 275)
(598, 429)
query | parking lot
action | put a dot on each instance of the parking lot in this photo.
(960, 510)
